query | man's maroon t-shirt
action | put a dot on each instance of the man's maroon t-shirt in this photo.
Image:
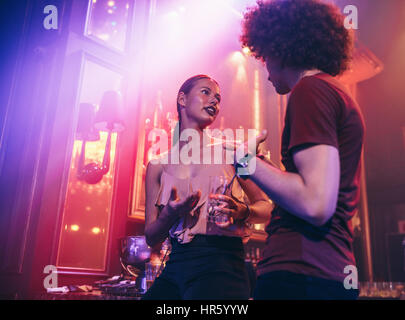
(319, 111)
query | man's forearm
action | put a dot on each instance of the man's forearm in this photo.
(287, 189)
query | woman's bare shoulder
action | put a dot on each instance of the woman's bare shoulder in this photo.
(154, 170)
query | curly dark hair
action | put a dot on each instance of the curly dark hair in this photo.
(305, 34)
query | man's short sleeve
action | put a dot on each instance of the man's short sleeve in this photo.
(312, 114)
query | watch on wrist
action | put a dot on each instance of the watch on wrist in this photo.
(242, 166)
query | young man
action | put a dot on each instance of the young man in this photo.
(305, 45)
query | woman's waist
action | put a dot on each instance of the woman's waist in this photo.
(209, 241)
(185, 232)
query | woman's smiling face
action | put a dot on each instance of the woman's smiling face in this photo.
(201, 104)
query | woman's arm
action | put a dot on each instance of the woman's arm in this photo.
(258, 211)
(156, 230)
(158, 224)
(261, 206)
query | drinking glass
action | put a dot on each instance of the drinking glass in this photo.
(364, 289)
(218, 185)
(373, 290)
(384, 290)
(151, 271)
(399, 289)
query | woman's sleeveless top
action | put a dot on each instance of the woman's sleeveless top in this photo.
(196, 222)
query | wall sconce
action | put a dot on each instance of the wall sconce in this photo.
(109, 118)
(85, 132)
(365, 65)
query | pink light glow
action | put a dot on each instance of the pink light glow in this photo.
(74, 227)
(96, 230)
(185, 32)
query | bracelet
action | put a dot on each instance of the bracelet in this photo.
(249, 213)
(261, 156)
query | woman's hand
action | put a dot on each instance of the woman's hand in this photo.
(180, 207)
(233, 209)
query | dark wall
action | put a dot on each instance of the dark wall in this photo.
(30, 77)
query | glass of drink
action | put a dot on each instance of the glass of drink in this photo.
(218, 185)
(364, 289)
(373, 293)
(399, 289)
(150, 273)
(384, 290)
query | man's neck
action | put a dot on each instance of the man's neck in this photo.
(297, 75)
(309, 73)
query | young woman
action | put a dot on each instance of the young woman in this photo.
(207, 257)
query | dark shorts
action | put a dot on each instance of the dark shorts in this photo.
(284, 285)
(207, 268)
